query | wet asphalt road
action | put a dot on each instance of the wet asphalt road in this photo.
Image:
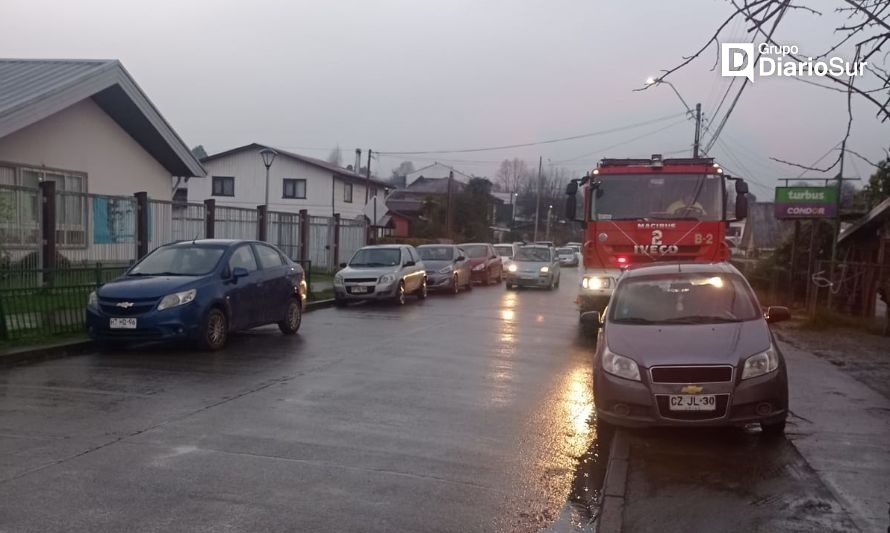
(462, 413)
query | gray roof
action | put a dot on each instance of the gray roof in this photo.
(870, 222)
(31, 90)
(340, 171)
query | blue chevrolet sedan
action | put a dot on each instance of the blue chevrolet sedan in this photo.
(200, 290)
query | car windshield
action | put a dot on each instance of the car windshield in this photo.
(504, 250)
(476, 250)
(436, 253)
(376, 257)
(671, 196)
(692, 298)
(541, 255)
(565, 251)
(179, 261)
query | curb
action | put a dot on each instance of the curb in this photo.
(69, 349)
(320, 304)
(614, 485)
(44, 353)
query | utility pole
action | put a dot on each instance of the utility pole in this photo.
(449, 207)
(697, 130)
(538, 199)
(368, 179)
(549, 211)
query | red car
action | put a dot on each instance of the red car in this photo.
(485, 263)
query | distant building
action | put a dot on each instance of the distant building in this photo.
(436, 171)
(237, 178)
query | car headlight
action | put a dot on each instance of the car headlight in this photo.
(445, 269)
(760, 364)
(387, 278)
(303, 289)
(93, 300)
(595, 283)
(620, 366)
(479, 267)
(512, 267)
(338, 280)
(545, 270)
(176, 299)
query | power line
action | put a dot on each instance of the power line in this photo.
(536, 143)
(622, 143)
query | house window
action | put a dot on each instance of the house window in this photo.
(294, 189)
(19, 217)
(223, 185)
(347, 193)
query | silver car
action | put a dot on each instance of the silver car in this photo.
(387, 272)
(534, 266)
(447, 267)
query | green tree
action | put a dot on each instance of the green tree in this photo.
(472, 211)
(878, 187)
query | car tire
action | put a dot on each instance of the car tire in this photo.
(487, 279)
(423, 291)
(774, 429)
(293, 318)
(509, 286)
(469, 286)
(400, 294)
(215, 330)
(557, 281)
(455, 284)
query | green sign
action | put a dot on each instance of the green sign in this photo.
(806, 202)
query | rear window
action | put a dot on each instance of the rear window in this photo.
(504, 250)
(683, 298)
(476, 250)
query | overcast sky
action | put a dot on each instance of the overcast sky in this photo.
(426, 75)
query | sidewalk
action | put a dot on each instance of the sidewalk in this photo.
(842, 428)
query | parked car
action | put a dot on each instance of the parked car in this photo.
(577, 247)
(485, 263)
(567, 256)
(447, 267)
(535, 265)
(506, 251)
(200, 290)
(686, 344)
(383, 272)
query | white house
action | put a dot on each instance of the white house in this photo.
(436, 171)
(237, 178)
(88, 127)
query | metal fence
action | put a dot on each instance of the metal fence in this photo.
(284, 232)
(174, 221)
(321, 240)
(235, 223)
(353, 235)
(92, 228)
(20, 217)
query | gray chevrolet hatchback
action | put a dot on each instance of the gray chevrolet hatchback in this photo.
(686, 344)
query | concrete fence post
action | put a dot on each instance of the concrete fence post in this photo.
(262, 222)
(141, 224)
(209, 218)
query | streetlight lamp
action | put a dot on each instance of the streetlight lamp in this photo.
(692, 114)
(268, 156)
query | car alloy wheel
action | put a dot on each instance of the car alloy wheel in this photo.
(292, 318)
(216, 330)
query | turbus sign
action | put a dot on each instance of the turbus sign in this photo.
(806, 202)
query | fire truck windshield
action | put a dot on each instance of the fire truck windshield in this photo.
(664, 196)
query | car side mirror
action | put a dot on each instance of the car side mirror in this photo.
(776, 313)
(460, 258)
(239, 272)
(342, 265)
(741, 206)
(591, 319)
(410, 263)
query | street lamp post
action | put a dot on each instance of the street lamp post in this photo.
(693, 114)
(268, 156)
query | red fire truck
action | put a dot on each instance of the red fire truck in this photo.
(646, 210)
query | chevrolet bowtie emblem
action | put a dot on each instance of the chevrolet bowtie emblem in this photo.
(125, 305)
(692, 389)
